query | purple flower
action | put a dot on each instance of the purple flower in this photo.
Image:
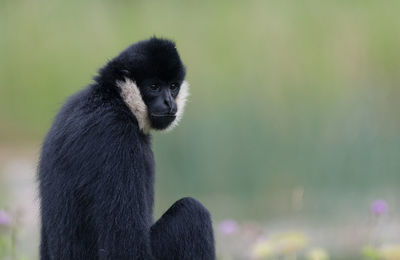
(228, 226)
(379, 207)
(5, 219)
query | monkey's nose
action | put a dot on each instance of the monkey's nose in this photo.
(173, 109)
(172, 106)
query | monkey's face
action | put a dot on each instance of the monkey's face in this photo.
(160, 99)
(150, 76)
(155, 104)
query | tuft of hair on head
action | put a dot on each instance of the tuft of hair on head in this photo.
(159, 56)
(144, 59)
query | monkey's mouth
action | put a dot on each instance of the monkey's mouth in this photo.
(162, 115)
(161, 121)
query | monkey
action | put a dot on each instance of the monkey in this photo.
(96, 168)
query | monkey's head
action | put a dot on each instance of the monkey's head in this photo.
(149, 76)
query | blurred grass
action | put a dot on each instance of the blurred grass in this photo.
(286, 95)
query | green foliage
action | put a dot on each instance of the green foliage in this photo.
(5, 243)
(370, 253)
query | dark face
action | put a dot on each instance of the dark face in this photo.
(159, 96)
(156, 68)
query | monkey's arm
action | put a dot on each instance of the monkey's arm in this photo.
(117, 203)
(123, 228)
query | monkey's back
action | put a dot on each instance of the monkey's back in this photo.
(94, 144)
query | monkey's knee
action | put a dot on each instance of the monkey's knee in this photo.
(190, 208)
(186, 227)
(188, 214)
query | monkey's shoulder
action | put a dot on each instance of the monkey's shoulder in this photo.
(89, 119)
(91, 135)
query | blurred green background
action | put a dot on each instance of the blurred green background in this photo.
(293, 119)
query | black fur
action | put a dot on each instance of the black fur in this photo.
(96, 174)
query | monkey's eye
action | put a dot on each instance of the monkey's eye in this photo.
(125, 72)
(154, 87)
(174, 86)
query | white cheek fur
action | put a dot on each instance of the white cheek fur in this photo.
(130, 93)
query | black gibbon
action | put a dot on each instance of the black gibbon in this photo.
(96, 172)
